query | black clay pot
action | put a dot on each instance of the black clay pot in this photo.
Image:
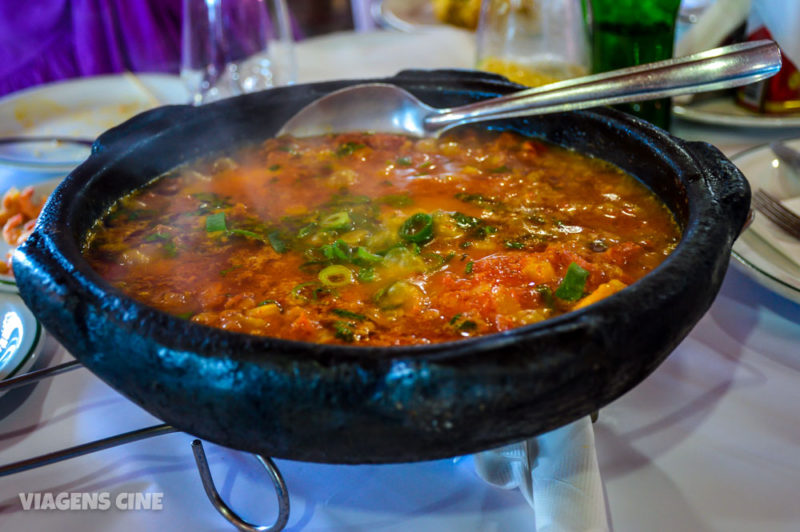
(332, 403)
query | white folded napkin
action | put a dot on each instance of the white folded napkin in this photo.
(780, 17)
(777, 237)
(557, 474)
(713, 26)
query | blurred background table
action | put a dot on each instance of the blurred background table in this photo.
(708, 443)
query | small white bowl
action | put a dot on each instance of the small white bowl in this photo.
(21, 336)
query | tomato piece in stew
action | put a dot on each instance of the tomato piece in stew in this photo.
(378, 239)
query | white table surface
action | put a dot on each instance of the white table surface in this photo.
(709, 442)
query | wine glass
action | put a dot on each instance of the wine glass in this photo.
(232, 47)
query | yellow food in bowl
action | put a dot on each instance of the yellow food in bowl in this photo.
(462, 13)
(531, 75)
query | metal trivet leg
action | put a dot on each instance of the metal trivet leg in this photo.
(141, 434)
(224, 509)
(84, 449)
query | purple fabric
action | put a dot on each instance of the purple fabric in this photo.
(49, 40)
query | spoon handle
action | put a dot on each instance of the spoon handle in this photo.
(788, 156)
(720, 68)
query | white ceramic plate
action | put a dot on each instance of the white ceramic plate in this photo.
(754, 255)
(722, 111)
(82, 108)
(86, 107)
(21, 336)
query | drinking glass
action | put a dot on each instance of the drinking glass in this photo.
(630, 32)
(533, 42)
(232, 47)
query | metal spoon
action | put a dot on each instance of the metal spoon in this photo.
(788, 156)
(387, 108)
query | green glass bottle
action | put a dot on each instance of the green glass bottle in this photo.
(631, 32)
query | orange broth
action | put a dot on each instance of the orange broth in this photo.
(376, 239)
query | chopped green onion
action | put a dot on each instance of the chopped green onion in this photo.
(365, 275)
(157, 236)
(248, 234)
(348, 314)
(417, 229)
(338, 250)
(312, 266)
(274, 167)
(209, 200)
(464, 221)
(169, 248)
(167, 245)
(275, 241)
(343, 199)
(461, 324)
(216, 222)
(348, 148)
(435, 261)
(226, 271)
(322, 291)
(396, 200)
(468, 267)
(473, 198)
(500, 169)
(573, 284)
(403, 161)
(306, 230)
(344, 331)
(312, 291)
(339, 220)
(136, 214)
(336, 275)
(386, 251)
(363, 257)
(396, 295)
(513, 244)
(478, 226)
(299, 291)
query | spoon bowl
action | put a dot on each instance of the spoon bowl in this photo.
(387, 108)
